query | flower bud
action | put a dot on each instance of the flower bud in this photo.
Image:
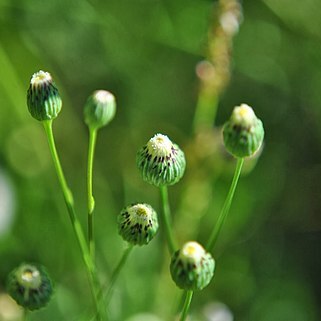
(100, 109)
(243, 134)
(43, 99)
(192, 268)
(138, 224)
(160, 161)
(30, 286)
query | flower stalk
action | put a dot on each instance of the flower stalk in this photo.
(226, 207)
(90, 197)
(68, 197)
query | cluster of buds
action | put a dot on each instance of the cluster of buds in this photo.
(161, 163)
(44, 102)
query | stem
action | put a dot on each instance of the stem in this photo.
(90, 197)
(226, 207)
(167, 220)
(73, 217)
(116, 273)
(187, 303)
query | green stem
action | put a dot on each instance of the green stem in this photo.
(226, 207)
(116, 273)
(90, 197)
(167, 220)
(73, 217)
(187, 303)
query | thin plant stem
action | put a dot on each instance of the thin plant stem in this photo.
(90, 197)
(226, 207)
(187, 303)
(116, 274)
(167, 220)
(68, 197)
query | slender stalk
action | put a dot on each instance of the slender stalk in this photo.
(187, 303)
(73, 217)
(90, 197)
(116, 273)
(226, 207)
(167, 220)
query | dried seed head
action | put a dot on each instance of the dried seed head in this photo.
(243, 134)
(192, 268)
(160, 161)
(100, 109)
(43, 99)
(30, 286)
(138, 224)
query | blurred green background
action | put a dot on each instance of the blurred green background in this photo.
(145, 52)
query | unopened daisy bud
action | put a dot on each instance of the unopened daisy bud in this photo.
(100, 109)
(30, 286)
(43, 100)
(243, 134)
(160, 161)
(192, 268)
(138, 224)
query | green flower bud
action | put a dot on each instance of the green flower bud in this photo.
(138, 224)
(100, 109)
(43, 100)
(243, 134)
(160, 161)
(192, 268)
(30, 286)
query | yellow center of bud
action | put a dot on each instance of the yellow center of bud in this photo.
(104, 96)
(39, 78)
(30, 277)
(140, 210)
(160, 145)
(192, 251)
(243, 115)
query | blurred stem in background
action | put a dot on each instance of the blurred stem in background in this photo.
(90, 197)
(94, 284)
(214, 71)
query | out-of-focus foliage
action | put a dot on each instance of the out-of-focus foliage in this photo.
(145, 52)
